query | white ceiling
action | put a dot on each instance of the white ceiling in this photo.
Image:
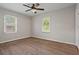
(18, 7)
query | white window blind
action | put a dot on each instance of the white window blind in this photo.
(10, 24)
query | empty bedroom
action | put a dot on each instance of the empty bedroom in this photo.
(39, 29)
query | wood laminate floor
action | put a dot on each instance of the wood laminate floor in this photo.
(36, 46)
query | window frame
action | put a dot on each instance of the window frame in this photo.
(5, 24)
(48, 18)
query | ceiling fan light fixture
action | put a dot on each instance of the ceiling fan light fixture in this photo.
(33, 10)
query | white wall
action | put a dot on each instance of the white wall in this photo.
(62, 25)
(23, 26)
(77, 25)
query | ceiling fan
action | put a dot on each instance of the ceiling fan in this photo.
(33, 8)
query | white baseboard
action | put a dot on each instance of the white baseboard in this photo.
(55, 40)
(36, 37)
(14, 39)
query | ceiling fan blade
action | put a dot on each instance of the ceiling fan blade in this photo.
(28, 10)
(39, 9)
(26, 6)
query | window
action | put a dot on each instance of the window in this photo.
(46, 24)
(10, 24)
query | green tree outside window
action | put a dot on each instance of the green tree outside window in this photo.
(46, 24)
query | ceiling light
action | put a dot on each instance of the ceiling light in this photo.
(34, 10)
